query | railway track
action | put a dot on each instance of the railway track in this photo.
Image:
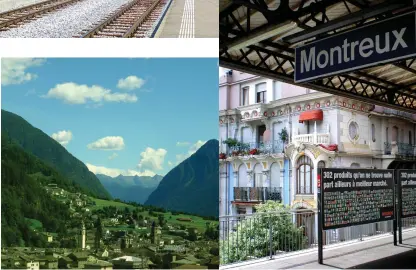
(16, 17)
(132, 20)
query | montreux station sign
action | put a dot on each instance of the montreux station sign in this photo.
(387, 41)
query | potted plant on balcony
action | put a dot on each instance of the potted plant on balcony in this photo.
(223, 156)
(235, 153)
(230, 142)
(254, 151)
(283, 135)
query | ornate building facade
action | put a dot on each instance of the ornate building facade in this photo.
(274, 136)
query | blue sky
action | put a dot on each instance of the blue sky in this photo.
(118, 116)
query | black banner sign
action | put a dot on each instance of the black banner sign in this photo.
(407, 180)
(356, 196)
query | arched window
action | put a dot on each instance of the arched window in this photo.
(387, 134)
(304, 172)
(258, 176)
(373, 132)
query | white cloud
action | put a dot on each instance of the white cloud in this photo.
(192, 149)
(180, 144)
(107, 143)
(116, 172)
(14, 70)
(73, 93)
(113, 156)
(63, 136)
(152, 159)
(30, 92)
(196, 146)
(130, 83)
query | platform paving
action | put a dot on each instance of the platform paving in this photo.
(196, 18)
(341, 256)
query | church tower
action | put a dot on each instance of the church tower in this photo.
(83, 236)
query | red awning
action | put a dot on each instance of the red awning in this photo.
(311, 116)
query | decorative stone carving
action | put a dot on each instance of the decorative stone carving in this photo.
(249, 178)
(315, 152)
(267, 174)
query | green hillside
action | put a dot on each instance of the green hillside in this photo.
(36, 142)
(198, 223)
(25, 204)
(193, 185)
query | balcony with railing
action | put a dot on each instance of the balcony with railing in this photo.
(314, 138)
(257, 194)
(256, 148)
(400, 149)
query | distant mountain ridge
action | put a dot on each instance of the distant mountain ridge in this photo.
(130, 188)
(41, 145)
(193, 185)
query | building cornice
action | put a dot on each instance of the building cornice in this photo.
(241, 81)
(231, 112)
(297, 99)
(386, 115)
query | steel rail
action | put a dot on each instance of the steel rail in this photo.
(101, 26)
(25, 8)
(133, 29)
(130, 32)
(25, 16)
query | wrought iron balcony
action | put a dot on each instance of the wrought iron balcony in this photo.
(403, 149)
(257, 194)
(243, 149)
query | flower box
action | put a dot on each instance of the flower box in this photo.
(223, 156)
(254, 151)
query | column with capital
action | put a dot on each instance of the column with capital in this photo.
(235, 174)
(250, 179)
(267, 184)
(250, 183)
(236, 185)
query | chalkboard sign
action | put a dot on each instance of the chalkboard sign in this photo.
(356, 196)
(407, 180)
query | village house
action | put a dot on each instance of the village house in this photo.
(65, 262)
(48, 237)
(48, 262)
(99, 264)
(130, 262)
(79, 258)
(27, 261)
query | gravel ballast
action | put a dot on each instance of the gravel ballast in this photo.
(6, 5)
(67, 22)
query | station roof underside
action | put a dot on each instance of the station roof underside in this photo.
(259, 37)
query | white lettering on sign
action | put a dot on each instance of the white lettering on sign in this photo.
(348, 51)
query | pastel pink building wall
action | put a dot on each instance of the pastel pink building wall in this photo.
(229, 93)
(223, 98)
(289, 90)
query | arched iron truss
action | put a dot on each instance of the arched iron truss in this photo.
(259, 37)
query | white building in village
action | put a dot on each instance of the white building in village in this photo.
(323, 130)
